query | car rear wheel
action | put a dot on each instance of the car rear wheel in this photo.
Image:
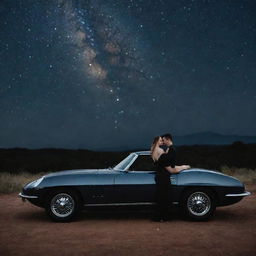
(63, 205)
(198, 204)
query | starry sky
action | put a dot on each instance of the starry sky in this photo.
(99, 74)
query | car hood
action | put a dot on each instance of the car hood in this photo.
(78, 172)
(72, 177)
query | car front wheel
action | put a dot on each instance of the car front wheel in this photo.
(198, 204)
(63, 205)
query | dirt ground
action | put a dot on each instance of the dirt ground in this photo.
(26, 230)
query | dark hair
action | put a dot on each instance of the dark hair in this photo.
(167, 136)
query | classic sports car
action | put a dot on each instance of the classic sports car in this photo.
(132, 182)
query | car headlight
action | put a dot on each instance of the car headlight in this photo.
(35, 183)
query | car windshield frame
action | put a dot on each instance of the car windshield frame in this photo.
(125, 164)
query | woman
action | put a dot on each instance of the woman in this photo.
(156, 151)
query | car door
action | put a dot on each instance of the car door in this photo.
(137, 184)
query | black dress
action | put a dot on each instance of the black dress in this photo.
(162, 178)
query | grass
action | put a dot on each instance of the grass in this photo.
(10, 183)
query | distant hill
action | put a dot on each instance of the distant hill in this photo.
(211, 138)
(201, 138)
(144, 143)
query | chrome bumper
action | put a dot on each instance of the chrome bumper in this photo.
(239, 195)
(25, 196)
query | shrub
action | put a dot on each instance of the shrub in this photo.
(10, 183)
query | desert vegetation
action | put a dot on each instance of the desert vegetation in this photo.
(13, 182)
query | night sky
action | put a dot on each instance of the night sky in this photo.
(105, 73)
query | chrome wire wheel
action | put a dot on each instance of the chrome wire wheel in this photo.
(199, 203)
(62, 205)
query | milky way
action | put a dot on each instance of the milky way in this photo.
(105, 74)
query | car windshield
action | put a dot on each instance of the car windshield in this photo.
(125, 164)
(143, 163)
(137, 161)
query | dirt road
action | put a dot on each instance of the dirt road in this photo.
(26, 230)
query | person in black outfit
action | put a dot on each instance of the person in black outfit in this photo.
(163, 154)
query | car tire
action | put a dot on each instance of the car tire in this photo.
(198, 204)
(63, 205)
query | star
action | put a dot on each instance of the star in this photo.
(98, 66)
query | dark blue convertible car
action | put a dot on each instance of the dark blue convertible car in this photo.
(132, 182)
